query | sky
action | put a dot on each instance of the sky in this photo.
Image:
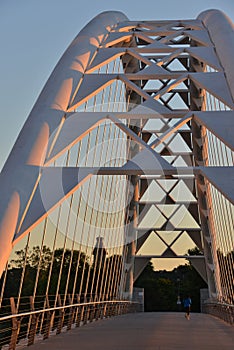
(34, 34)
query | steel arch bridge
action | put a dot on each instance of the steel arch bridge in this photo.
(130, 141)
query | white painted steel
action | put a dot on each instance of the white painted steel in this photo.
(21, 172)
(221, 30)
(22, 206)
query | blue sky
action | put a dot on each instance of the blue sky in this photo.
(34, 34)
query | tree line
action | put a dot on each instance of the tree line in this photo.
(67, 272)
(164, 290)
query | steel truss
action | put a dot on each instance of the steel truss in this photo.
(160, 95)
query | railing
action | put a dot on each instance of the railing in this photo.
(220, 310)
(23, 329)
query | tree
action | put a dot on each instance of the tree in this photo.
(40, 261)
(162, 287)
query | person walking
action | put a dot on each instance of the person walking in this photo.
(187, 306)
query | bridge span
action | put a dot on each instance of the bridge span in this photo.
(126, 156)
(152, 330)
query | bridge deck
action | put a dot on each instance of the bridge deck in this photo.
(146, 331)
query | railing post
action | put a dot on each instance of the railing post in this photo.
(97, 311)
(104, 313)
(110, 309)
(49, 320)
(91, 312)
(84, 314)
(119, 309)
(15, 326)
(78, 314)
(88, 310)
(101, 312)
(107, 310)
(61, 317)
(33, 323)
(126, 307)
(71, 314)
(232, 315)
(114, 309)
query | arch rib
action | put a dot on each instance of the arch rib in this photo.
(21, 171)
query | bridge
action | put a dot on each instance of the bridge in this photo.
(130, 142)
(147, 331)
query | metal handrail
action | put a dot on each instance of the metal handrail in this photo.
(31, 325)
(219, 303)
(221, 310)
(23, 314)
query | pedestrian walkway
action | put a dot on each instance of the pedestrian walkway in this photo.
(146, 331)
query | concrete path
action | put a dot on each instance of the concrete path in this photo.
(146, 331)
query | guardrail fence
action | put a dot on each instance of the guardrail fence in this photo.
(18, 330)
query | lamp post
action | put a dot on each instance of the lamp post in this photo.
(178, 295)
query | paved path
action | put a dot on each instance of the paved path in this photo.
(146, 331)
